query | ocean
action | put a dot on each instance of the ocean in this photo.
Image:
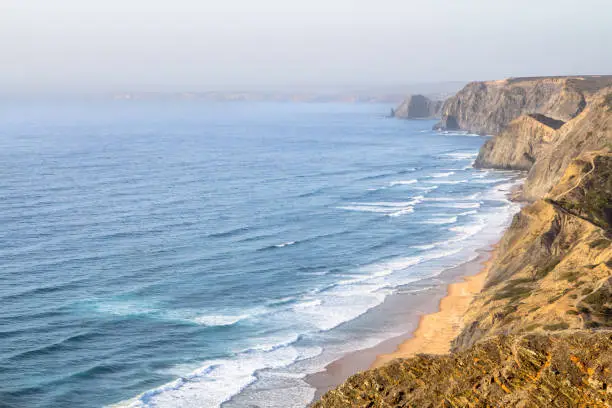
(197, 254)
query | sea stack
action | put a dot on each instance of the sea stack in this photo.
(418, 107)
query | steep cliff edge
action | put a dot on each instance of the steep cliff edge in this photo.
(540, 332)
(570, 369)
(418, 107)
(488, 107)
(519, 144)
(591, 130)
(555, 257)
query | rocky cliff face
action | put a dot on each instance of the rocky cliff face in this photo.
(570, 369)
(418, 107)
(540, 333)
(519, 144)
(591, 130)
(556, 255)
(488, 107)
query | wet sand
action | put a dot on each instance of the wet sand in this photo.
(436, 316)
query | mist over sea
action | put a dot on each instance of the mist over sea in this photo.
(189, 254)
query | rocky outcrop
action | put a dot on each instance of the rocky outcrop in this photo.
(488, 107)
(591, 130)
(556, 254)
(418, 107)
(519, 144)
(540, 332)
(571, 369)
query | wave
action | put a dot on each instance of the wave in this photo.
(219, 380)
(278, 246)
(390, 208)
(440, 221)
(284, 244)
(407, 210)
(384, 175)
(219, 320)
(459, 155)
(229, 233)
(439, 175)
(450, 182)
(457, 205)
(403, 182)
(488, 181)
(471, 197)
(471, 212)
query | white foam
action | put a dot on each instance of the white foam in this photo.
(439, 175)
(468, 212)
(488, 181)
(403, 182)
(446, 181)
(308, 304)
(390, 208)
(284, 244)
(218, 380)
(219, 320)
(440, 221)
(458, 205)
(424, 247)
(460, 156)
(407, 210)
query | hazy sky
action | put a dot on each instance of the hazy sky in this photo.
(200, 44)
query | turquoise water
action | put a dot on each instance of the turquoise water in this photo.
(194, 254)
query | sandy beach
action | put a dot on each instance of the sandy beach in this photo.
(437, 322)
(437, 330)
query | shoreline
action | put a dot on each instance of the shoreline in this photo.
(436, 331)
(433, 328)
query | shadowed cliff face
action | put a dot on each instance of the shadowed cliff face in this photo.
(518, 146)
(570, 369)
(418, 107)
(488, 107)
(540, 332)
(590, 131)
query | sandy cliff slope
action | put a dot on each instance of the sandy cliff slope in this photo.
(540, 332)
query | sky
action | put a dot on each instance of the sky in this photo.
(194, 45)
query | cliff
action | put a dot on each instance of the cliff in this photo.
(554, 264)
(488, 107)
(569, 369)
(418, 107)
(519, 144)
(540, 332)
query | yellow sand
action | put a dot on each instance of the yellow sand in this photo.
(436, 331)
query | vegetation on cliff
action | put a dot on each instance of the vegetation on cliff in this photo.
(540, 332)
(569, 369)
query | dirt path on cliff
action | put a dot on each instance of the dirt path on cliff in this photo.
(579, 181)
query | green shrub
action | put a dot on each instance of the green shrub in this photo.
(557, 326)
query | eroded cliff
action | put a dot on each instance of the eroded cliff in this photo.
(540, 332)
(488, 107)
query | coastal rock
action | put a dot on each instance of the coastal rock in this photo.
(556, 254)
(540, 332)
(517, 147)
(590, 131)
(570, 369)
(488, 107)
(447, 123)
(418, 107)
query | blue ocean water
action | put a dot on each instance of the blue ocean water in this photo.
(177, 254)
